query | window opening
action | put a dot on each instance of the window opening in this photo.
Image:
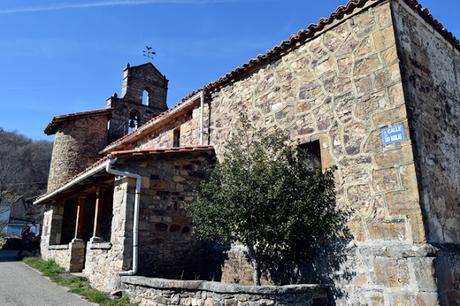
(133, 122)
(313, 154)
(145, 97)
(176, 139)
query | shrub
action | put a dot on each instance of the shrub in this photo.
(266, 194)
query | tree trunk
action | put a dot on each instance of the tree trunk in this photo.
(256, 275)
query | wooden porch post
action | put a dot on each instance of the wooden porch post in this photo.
(97, 230)
(77, 246)
(79, 224)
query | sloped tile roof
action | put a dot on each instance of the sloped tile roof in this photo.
(295, 40)
(53, 125)
(155, 151)
(136, 153)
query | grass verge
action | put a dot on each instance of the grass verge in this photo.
(76, 284)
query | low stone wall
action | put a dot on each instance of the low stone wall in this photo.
(60, 254)
(155, 291)
(69, 256)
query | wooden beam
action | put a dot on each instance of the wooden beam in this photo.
(80, 222)
(97, 230)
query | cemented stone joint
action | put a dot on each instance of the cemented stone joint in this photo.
(378, 66)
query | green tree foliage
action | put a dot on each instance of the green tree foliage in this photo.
(267, 194)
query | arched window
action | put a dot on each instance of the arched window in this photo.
(133, 122)
(145, 97)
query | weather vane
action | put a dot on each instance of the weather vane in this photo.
(148, 52)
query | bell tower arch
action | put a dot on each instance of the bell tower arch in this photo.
(144, 93)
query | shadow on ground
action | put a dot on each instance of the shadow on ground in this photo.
(9, 249)
(8, 255)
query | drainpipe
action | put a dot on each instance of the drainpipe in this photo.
(108, 169)
(202, 117)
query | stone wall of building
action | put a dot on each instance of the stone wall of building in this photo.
(430, 68)
(48, 237)
(166, 246)
(50, 247)
(52, 228)
(76, 146)
(146, 77)
(151, 291)
(69, 255)
(342, 88)
(104, 261)
(60, 254)
(447, 266)
(136, 81)
(188, 124)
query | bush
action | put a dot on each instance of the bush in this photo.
(267, 195)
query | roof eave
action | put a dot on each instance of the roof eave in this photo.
(51, 128)
(73, 182)
(161, 119)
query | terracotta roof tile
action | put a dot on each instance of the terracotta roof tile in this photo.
(143, 127)
(295, 40)
(52, 126)
(161, 151)
(137, 153)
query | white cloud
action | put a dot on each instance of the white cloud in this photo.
(95, 4)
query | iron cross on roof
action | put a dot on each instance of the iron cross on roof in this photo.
(148, 52)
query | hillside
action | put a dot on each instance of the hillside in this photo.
(24, 165)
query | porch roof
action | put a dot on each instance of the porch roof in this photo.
(97, 171)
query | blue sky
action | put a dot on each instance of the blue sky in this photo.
(61, 56)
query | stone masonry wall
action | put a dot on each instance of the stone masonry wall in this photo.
(430, 69)
(60, 254)
(342, 88)
(45, 230)
(163, 137)
(166, 247)
(76, 146)
(105, 260)
(121, 110)
(165, 243)
(52, 226)
(136, 79)
(46, 233)
(69, 256)
(150, 291)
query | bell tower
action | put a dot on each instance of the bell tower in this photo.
(143, 96)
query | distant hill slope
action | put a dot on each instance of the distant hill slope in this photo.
(24, 164)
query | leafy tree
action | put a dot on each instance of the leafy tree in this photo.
(267, 195)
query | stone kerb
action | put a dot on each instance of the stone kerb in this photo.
(157, 291)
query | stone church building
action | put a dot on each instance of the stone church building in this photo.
(374, 88)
